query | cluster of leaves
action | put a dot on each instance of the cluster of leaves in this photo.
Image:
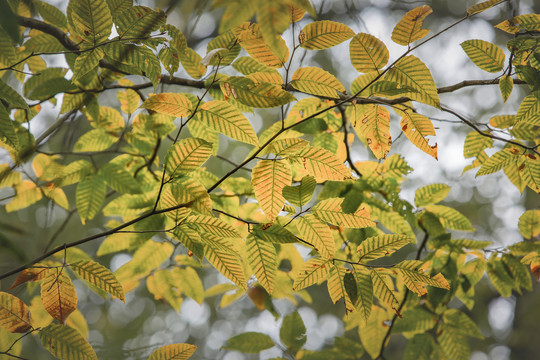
(170, 212)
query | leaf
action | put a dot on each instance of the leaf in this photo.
(529, 224)
(14, 314)
(11, 97)
(99, 276)
(476, 143)
(415, 279)
(301, 194)
(316, 81)
(364, 285)
(409, 28)
(475, 9)
(66, 343)
(173, 352)
(211, 225)
(8, 130)
(417, 127)
(374, 126)
(51, 14)
(529, 22)
(506, 83)
(313, 271)
(337, 287)
(268, 179)
(293, 332)
(90, 196)
(91, 20)
(192, 63)
(378, 246)
(383, 288)
(27, 193)
(138, 22)
(431, 194)
(273, 19)
(318, 234)
(186, 156)
(330, 210)
(288, 146)
(528, 110)
(86, 62)
(457, 321)
(58, 294)
(529, 171)
(262, 258)
(249, 342)
(228, 120)
(485, 55)
(251, 39)
(497, 161)
(324, 34)
(367, 53)
(174, 104)
(450, 218)
(322, 164)
(411, 72)
(119, 179)
(228, 264)
(247, 92)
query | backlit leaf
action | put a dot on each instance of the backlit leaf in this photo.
(364, 284)
(379, 246)
(318, 234)
(330, 210)
(322, 164)
(476, 143)
(417, 127)
(409, 28)
(98, 275)
(529, 224)
(374, 125)
(58, 294)
(485, 55)
(192, 63)
(482, 6)
(173, 104)
(268, 179)
(249, 342)
(324, 34)
(186, 156)
(506, 83)
(383, 288)
(450, 218)
(27, 193)
(367, 53)
(66, 343)
(431, 194)
(211, 225)
(228, 120)
(14, 314)
(530, 22)
(273, 19)
(228, 264)
(316, 81)
(11, 96)
(313, 271)
(293, 332)
(528, 110)
(94, 140)
(138, 22)
(415, 278)
(262, 259)
(173, 352)
(250, 37)
(90, 196)
(91, 20)
(262, 95)
(497, 161)
(300, 195)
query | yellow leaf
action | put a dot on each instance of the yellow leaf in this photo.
(173, 352)
(485, 55)
(324, 34)
(173, 104)
(261, 95)
(314, 271)
(475, 9)
(368, 53)
(409, 28)
(336, 287)
(186, 156)
(273, 19)
(27, 194)
(316, 81)
(322, 164)
(251, 39)
(330, 210)
(227, 263)
(99, 276)
(58, 294)
(417, 127)
(262, 258)
(374, 125)
(191, 61)
(14, 314)
(268, 179)
(318, 234)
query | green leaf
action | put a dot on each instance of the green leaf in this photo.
(74, 172)
(324, 34)
(330, 210)
(475, 9)
(227, 263)
(192, 63)
(249, 342)
(8, 130)
(211, 225)
(48, 83)
(383, 288)
(99, 276)
(66, 343)
(173, 352)
(228, 120)
(90, 196)
(293, 332)
(457, 321)
(86, 62)
(251, 39)
(91, 20)
(485, 55)
(450, 218)
(415, 320)
(476, 143)
(51, 14)
(11, 97)
(94, 141)
(506, 83)
(528, 111)
(499, 276)
(138, 22)
(262, 258)
(364, 286)
(529, 224)
(497, 161)
(301, 194)
(263, 95)
(419, 347)
(119, 179)
(378, 246)
(186, 156)
(318, 234)
(431, 194)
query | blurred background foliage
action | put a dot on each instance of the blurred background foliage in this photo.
(493, 205)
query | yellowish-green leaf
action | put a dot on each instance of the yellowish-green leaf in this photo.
(367, 53)
(475, 9)
(330, 210)
(499, 276)
(248, 65)
(11, 96)
(506, 84)
(324, 34)
(90, 196)
(236, 12)
(316, 81)
(273, 19)
(379, 246)
(98, 275)
(336, 287)
(383, 287)
(485, 55)
(249, 342)
(119, 179)
(287, 146)
(450, 218)
(269, 178)
(529, 171)
(393, 221)
(322, 164)
(211, 225)
(415, 278)
(138, 22)
(228, 264)
(27, 193)
(417, 127)
(476, 143)
(529, 22)
(86, 62)
(409, 28)
(91, 20)
(228, 120)
(301, 194)
(56, 194)
(497, 161)
(364, 285)
(262, 258)
(318, 234)
(95, 140)
(173, 104)
(431, 194)
(262, 95)
(192, 63)
(173, 352)
(64, 342)
(374, 125)
(14, 314)
(528, 110)
(186, 156)
(413, 73)
(58, 294)
(251, 39)
(314, 271)
(529, 224)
